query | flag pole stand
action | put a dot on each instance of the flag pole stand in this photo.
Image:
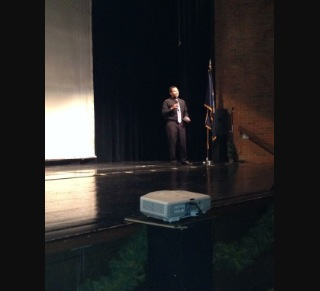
(207, 162)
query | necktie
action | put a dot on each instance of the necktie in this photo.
(179, 113)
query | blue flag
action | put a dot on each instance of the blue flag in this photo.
(210, 106)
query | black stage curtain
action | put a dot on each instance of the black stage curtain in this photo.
(140, 48)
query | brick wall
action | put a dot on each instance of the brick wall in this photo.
(243, 70)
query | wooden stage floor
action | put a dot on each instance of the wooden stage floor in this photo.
(83, 199)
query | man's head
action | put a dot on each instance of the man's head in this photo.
(173, 91)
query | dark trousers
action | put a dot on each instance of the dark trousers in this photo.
(176, 134)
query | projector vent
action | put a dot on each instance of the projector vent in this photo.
(154, 207)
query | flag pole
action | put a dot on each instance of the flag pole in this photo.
(209, 106)
(207, 158)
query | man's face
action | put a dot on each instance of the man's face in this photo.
(174, 93)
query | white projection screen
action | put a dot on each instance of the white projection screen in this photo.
(69, 98)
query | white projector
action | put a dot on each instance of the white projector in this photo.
(172, 205)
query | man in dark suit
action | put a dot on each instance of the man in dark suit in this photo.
(175, 112)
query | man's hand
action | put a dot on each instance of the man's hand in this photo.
(174, 106)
